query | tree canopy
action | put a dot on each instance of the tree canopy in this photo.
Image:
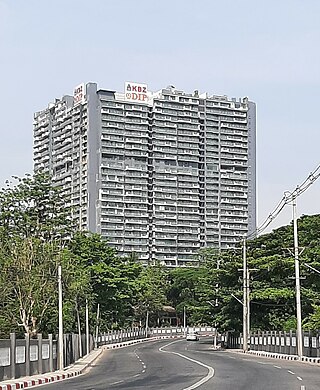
(36, 236)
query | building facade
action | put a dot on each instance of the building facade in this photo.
(161, 174)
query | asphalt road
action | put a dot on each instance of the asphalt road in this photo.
(187, 365)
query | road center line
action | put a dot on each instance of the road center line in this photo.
(203, 380)
(116, 383)
(277, 367)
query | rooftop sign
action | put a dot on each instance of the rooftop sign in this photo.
(79, 94)
(137, 93)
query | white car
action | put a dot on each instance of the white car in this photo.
(192, 336)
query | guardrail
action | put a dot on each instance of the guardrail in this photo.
(31, 356)
(120, 336)
(279, 342)
(204, 331)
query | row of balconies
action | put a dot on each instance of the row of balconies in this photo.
(231, 111)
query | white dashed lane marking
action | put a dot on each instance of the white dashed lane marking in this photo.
(291, 372)
(201, 381)
(115, 383)
(140, 360)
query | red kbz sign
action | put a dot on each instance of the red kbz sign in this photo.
(136, 92)
(79, 94)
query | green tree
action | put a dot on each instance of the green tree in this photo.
(187, 291)
(272, 286)
(34, 208)
(151, 294)
(34, 231)
(113, 279)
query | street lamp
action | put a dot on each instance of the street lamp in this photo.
(246, 325)
(215, 325)
(297, 277)
(60, 338)
(293, 197)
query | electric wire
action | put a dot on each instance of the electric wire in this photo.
(287, 198)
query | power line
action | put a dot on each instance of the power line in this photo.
(287, 198)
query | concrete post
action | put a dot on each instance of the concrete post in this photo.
(40, 353)
(297, 278)
(50, 352)
(245, 299)
(12, 355)
(87, 329)
(60, 306)
(27, 339)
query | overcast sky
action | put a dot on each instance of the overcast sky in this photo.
(266, 50)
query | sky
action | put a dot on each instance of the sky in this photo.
(266, 50)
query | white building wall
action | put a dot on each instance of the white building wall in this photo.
(161, 178)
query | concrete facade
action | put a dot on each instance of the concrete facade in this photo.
(162, 174)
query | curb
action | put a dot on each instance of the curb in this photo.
(36, 380)
(74, 370)
(274, 355)
(131, 342)
(23, 384)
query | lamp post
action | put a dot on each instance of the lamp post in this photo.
(184, 320)
(245, 299)
(147, 323)
(60, 338)
(215, 326)
(87, 329)
(297, 278)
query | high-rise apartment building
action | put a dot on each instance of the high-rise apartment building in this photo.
(162, 174)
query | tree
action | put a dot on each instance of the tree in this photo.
(187, 291)
(151, 293)
(113, 279)
(272, 287)
(34, 208)
(34, 230)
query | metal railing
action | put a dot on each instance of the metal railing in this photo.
(279, 342)
(31, 356)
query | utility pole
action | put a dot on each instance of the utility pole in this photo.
(297, 278)
(216, 304)
(60, 358)
(97, 326)
(79, 329)
(245, 298)
(147, 323)
(87, 328)
(248, 303)
(215, 327)
(184, 319)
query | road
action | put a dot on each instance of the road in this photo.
(186, 365)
